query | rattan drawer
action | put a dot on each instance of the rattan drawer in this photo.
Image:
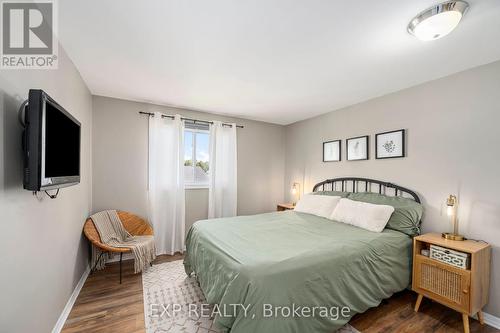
(442, 282)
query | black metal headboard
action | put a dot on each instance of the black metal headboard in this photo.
(333, 185)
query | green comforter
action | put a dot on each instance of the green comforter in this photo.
(291, 260)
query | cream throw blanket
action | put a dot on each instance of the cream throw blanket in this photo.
(113, 233)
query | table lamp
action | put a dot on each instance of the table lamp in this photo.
(295, 192)
(451, 210)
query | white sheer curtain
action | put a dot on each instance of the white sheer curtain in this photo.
(222, 193)
(166, 183)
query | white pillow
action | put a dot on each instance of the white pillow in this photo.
(362, 214)
(320, 205)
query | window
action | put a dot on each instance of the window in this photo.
(196, 168)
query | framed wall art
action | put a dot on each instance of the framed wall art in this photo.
(357, 148)
(331, 151)
(390, 144)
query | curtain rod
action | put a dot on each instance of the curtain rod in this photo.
(188, 119)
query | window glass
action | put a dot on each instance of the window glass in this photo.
(201, 173)
(188, 157)
(196, 157)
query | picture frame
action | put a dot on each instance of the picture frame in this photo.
(390, 144)
(332, 151)
(357, 149)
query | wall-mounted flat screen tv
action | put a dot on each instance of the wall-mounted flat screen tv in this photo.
(51, 144)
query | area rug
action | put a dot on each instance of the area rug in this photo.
(166, 284)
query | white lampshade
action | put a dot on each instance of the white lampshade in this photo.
(437, 26)
(450, 210)
(437, 21)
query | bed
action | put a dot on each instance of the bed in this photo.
(297, 272)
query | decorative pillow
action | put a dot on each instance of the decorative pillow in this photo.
(407, 212)
(361, 214)
(332, 193)
(320, 205)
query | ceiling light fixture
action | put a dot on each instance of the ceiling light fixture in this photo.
(437, 21)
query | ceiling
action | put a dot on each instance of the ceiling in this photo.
(278, 61)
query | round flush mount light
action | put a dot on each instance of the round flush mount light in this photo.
(437, 21)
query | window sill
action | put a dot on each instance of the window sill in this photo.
(195, 186)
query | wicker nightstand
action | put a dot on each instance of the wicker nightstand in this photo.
(464, 290)
(285, 206)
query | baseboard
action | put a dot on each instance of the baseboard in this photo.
(69, 305)
(491, 320)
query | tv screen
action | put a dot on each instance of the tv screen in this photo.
(62, 144)
(51, 144)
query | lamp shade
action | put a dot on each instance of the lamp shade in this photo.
(449, 210)
(437, 26)
(438, 21)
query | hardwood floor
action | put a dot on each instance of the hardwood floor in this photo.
(106, 306)
(396, 314)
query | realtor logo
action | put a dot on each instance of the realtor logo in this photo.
(28, 35)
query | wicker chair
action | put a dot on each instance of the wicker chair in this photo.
(135, 225)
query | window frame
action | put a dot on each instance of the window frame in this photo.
(196, 185)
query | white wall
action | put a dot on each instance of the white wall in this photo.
(42, 253)
(120, 150)
(453, 148)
